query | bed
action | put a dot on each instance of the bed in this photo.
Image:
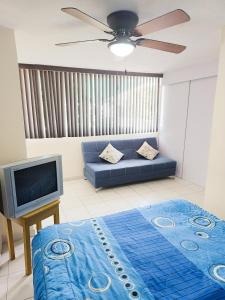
(172, 250)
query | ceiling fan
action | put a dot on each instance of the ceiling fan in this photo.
(122, 26)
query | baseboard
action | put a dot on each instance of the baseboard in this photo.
(73, 178)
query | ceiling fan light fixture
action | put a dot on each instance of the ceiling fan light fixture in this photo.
(122, 48)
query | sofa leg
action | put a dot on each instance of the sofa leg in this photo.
(172, 177)
(98, 189)
(85, 178)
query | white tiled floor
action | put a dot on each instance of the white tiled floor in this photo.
(80, 201)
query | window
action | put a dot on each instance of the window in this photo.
(69, 103)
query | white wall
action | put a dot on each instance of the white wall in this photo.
(11, 116)
(199, 120)
(70, 149)
(185, 122)
(191, 73)
(12, 139)
(214, 196)
(173, 122)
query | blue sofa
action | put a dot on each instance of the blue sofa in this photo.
(131, 168)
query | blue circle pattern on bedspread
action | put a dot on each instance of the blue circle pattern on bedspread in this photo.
(201, 221)
(99, 259)
(216, 271)
(59, 249)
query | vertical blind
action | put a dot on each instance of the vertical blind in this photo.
(75, 104)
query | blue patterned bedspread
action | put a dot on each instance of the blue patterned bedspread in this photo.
(173, 250)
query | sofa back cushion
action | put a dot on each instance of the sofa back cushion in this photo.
(91, 150)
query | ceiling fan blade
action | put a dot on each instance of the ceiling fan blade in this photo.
(163, 46)
(78, 42)
(74, 12)
(170, 19)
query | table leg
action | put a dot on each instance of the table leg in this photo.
(10, 240)
(27, 248)
(38, 225)
(56, 216)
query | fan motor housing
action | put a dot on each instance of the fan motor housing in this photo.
(122, 20)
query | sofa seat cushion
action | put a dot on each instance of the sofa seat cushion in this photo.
(129, 167)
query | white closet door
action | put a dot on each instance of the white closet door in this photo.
(199, 121)
(174, 102)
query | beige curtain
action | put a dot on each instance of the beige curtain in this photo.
(60, 104)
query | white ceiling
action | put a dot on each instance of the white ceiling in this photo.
(40, 23)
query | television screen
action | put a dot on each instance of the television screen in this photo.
(35, 182)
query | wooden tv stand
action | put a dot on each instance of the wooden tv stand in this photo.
(32, 218)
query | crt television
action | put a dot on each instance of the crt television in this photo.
(30, 184)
